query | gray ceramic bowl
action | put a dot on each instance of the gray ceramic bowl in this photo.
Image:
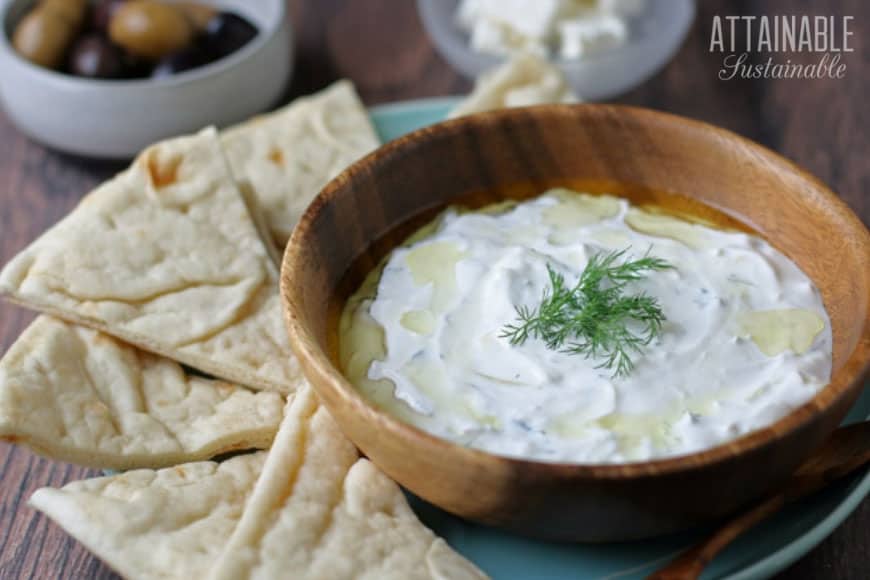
(656, 35)
(117, 119)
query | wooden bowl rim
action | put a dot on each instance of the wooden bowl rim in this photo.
(855, 369)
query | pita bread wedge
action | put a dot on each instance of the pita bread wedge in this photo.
(285, 158)
(318, 511)
(522, 81)
(83, 397)
(165, 256)
(149, 525)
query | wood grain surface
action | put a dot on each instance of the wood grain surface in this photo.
(380, 45)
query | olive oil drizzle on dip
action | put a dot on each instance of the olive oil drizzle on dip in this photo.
(745, 338)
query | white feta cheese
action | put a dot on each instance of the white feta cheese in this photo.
(582, 37)
(571, 29)
(535, 20)
(508, 26)
(493, 37)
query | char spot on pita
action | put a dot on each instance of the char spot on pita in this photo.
(163, 172)
(276, 157)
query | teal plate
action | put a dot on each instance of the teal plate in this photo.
(763, 552)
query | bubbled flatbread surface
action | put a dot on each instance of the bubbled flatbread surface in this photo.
(285, 158)
(149, 525)
(522, 81)
(167, 257)
(80, 396)
(318, 511)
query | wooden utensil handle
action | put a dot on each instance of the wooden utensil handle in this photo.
(846, 450)
(692, 562)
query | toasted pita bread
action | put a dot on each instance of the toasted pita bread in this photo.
(149, 525)
(522, 81)
(166, 257)
(83, 397)
(285, 158)
(318, 511)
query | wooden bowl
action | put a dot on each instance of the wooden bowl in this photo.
(373, 205)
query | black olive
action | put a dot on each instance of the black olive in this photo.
(95, 57)
(101, 14)
(135, 67)
(186, 59)
(226, 33)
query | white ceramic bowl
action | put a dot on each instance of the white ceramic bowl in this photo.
(117, 119)
(656, 35)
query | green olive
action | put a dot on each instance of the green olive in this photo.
(72, 10)
(149, 29)
(43, 36)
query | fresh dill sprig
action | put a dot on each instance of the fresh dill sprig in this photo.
(596, 317)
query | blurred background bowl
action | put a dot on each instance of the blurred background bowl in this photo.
(116, 119)
(655, 36)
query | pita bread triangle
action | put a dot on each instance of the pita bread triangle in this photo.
(284, 159)
(319, 511)
(523, 80)
(81, 396)
(166, 257)
(149, 525)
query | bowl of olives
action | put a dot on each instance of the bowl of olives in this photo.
(105, 78)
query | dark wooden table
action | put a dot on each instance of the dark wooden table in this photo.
(381, 46)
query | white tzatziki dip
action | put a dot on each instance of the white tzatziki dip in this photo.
(745, 338)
